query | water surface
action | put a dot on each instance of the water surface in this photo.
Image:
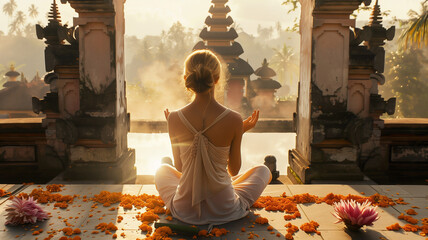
(150, 148)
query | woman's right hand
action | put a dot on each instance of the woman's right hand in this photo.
(251, 121)
(166, 112)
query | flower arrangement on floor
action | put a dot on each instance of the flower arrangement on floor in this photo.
(354, 214)
(22, 211)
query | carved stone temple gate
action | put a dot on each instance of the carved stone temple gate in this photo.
(337, 121)
(338, 125)
(86, 113)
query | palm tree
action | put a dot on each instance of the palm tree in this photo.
(283, 62)
(18, 23)
(32, 11)
(9, 7)
(417, 32)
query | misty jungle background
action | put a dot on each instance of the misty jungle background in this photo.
(154, 63)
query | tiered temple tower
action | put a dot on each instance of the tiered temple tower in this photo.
(220, 37)
(12, 74)
(265, 87)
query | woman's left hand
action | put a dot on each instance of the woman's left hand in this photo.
(166, 112)
(251, 121)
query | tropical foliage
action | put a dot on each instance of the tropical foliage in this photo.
(407, 80)
(285, 64)
(18, 25)
(416, 32)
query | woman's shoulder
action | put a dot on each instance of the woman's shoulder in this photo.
(234, 115)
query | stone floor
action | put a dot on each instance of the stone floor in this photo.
(78, 214)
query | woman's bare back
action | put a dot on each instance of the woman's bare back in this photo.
(220, 134)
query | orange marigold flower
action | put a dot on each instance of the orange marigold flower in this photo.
(243, 229)
(261, 220)
(67, 231)
(3, 193)
(61, 205)
(401, 201)
(149, 216)
(310, 227)
(159, 210)
(203, 233)
(169, 218)
(114, 236)
(410, 228)
(146, 228)
(394, 227)
(411, 211)
(77, 231)
(163, 231)
(289, 236)
(219, 232)
(107, 198)
(408, 219)
(269, 228)
(54, 187)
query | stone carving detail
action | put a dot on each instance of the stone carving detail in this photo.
(57, 53)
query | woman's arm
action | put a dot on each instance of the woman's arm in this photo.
(251, 121)
(234, 163)
(174, 141)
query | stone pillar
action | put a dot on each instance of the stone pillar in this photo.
(103, 119)
(325, 142)
(368, 56)
(92, 122)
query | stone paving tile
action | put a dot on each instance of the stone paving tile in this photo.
(416, 190)
(149, 189)
(323, 190)
(276, 219)
(11, 234)
(363, 234)
(12, 188)
(422, 203)
(129, 221)
(267, 235)
(129, 225)
(276, 190)
(321, 213)
(392, 191)
(402, 235)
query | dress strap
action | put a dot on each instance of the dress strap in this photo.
(224, 113)
(192, 129)
(186, 122)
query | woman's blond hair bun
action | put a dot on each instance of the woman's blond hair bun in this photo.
(201, 71)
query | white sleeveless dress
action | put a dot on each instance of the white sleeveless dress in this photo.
(204, 192)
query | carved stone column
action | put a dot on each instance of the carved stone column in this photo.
(93, 122)
(103, 121)
(327, 132)
(368, 53)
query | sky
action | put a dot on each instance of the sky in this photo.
(145, 17)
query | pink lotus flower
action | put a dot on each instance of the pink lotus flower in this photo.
(355, 215)
(23, 211)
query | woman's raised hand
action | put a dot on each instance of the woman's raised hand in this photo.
(251, 121)
(166, 112)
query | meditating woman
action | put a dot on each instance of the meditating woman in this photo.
(203, 187)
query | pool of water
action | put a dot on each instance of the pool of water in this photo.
(151, 148)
